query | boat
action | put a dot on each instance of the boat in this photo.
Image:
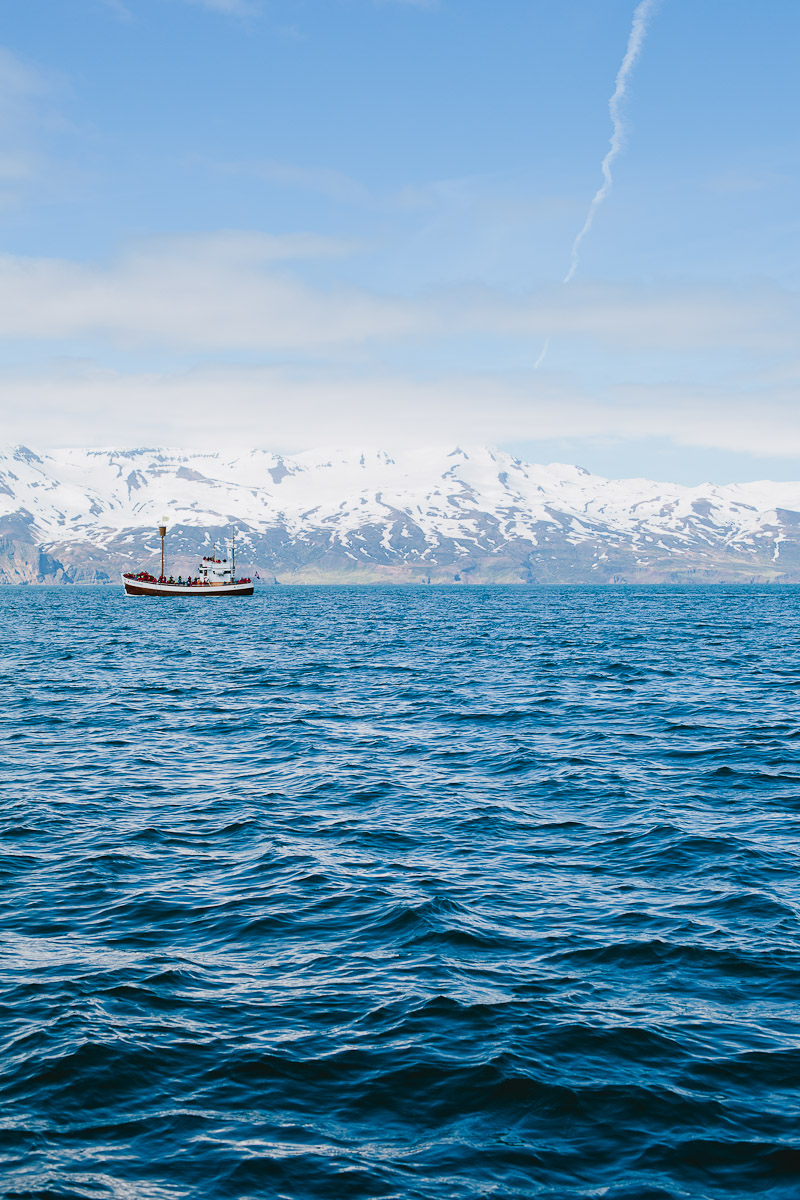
(215, 577)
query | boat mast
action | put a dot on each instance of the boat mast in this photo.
(162, 529)
(233, 555)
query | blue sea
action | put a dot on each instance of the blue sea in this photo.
(414, 892)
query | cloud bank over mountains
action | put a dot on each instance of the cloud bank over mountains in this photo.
(284, 405)
(245, 337)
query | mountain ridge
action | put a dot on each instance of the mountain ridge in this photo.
(435, 514)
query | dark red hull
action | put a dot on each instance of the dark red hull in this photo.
(217, 591)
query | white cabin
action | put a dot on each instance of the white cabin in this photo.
(215, 570)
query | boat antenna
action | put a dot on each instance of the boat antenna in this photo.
(233, 555)
(162, 530)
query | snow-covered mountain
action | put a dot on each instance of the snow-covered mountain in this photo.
(438, 515)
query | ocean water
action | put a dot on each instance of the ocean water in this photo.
(419, 893)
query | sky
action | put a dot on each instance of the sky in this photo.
(298, 223)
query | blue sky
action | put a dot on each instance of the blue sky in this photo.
(290, 223)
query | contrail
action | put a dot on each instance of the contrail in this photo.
(644, 10)
(543, 355)
(641, 16)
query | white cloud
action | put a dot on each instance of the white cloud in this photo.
(410, 3)
(24, 92)
(325, 181)
(733, 182)
(19, 83)
(16, 166)
(235, 291)
(229, 291)
(119, 9)
(233, 8)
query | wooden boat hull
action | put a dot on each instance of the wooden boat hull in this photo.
(135, 587)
